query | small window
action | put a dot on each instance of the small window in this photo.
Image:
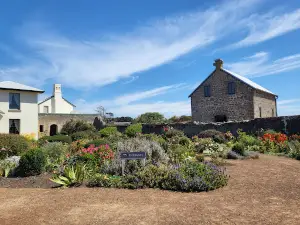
(41, 128)
(14, 100)
(207, 91)
(14, 126)
(260, 112)
(46, 109)
(231, 88)
(273, 114)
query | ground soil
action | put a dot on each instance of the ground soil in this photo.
(263, 191)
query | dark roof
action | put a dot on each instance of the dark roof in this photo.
(242, 79)
(53, 97)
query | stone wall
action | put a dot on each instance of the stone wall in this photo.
(236, 107)
(286, 124)
(48, 119)
(264, 105)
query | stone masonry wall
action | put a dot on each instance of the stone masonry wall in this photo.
(264, 102)
(286, 124)
(47, 119)
(236, 107)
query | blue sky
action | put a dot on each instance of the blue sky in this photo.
(137, 56)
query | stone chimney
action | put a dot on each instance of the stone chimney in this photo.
(218, 64)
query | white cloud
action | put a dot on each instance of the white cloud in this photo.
(97, 62)
(127, 105)
(259, 65)
(288, 101)
(268, 26)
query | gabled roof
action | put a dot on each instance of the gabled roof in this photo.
(53, 97)
(10, 85)
(241, 78)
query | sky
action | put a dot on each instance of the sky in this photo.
(147, 56)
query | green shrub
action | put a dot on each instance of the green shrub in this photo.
(131, 182)
(55, 153)
(133, 130)
(109, 131)
(32, 163)
(96, 142)
(12, 144)
(247, 140)
(84, 135)
(6, 167)
(217, 136)
(152, 176)
(203, 144)
(239, 148)
(104, 180)
(194, 177)
(157, 138)
(178, 153)
(150, 118)
(294, 149)
(199, 157)
(73, 126)
(174, 133)
(55, 138)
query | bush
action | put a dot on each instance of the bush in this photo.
(131, 182)
(194, 176)
(150, 118)
(179, 153)
(109, 131)
(171, 132)
(6, 167)
(294, 151)
(12, 144)
(203, 144)
(84, 135)
(152, 176)
(233, 155)
(55, 153)
(73, 126)
(239, 148)
(251, 155)
(32, 163)
(133, 130)
(247, 140)
(104, 180)
(217, 136)
(55, 138)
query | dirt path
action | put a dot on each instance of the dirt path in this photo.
(264, 191)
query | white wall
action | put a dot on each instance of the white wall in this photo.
(56, 105)
(28, 113)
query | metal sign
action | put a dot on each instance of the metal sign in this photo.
(132, 155)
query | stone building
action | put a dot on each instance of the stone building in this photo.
(226, 96)
(56, 103)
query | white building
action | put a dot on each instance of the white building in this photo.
(56, 103)
(18, 108)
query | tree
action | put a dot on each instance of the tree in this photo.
(150, 118)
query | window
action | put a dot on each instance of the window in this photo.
(14, 100)
(46, 109)
(231, 88)
(273, 114)
(41, 128)
(207, 91)
(14, 126)
(260, 112)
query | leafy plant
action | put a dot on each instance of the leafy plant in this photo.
(104, 180)
(152, 175)
(12, 144)
(294, 151)
(71, 176)
(109, 131)
(133, 130)
(33, 162)
(150, 118)
(55, 153)
(170, 132)
(217, 136)
(55, 138)
(88, 134)
(179, 153)
(202, 144)
(239, 148)
(73, 126)
(6, 167)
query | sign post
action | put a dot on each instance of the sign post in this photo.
(132, 155)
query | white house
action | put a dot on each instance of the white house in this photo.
(56, 103)
(18, 108)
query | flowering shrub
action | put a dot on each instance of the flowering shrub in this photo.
(228, 136)
(103, 152)
(278, 138)
(276, 142)
(295, 137)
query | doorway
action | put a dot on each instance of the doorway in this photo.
(53, 129)
(221, 118)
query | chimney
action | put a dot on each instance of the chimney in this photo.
(57, 91)
(218, 64)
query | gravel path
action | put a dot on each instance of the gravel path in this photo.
(264, 191)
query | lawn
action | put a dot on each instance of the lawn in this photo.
(264, 191)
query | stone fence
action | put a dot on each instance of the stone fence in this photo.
(286, 124)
